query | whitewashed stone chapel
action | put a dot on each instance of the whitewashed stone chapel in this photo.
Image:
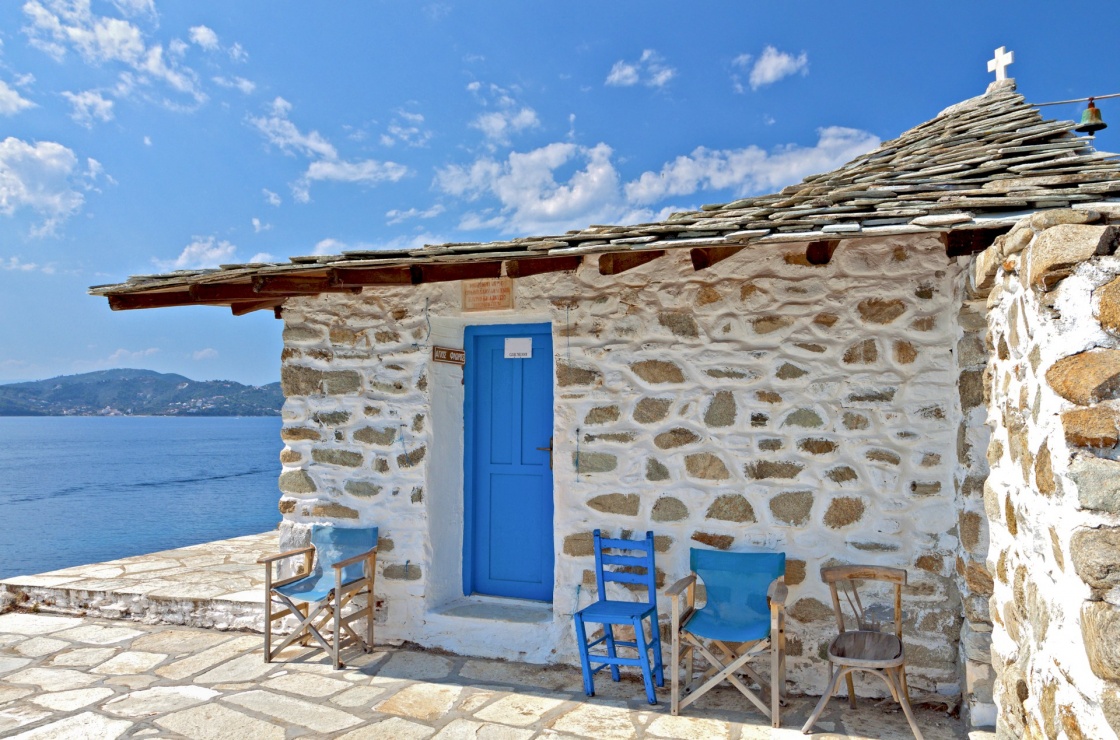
(911, 361)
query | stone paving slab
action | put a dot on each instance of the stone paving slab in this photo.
(215, 584)
(62, 677)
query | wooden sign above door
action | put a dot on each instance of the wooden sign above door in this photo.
(488, 294)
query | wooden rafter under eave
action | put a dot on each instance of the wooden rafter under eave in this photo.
(130, 301)
(538, 266)
(243, 307)
(356, 277)
(614, 263)
(286, 285)
(705, 257)
(436, 273)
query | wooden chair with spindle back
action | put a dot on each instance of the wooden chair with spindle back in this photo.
(865, 648)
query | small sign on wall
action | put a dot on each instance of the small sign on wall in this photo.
(488, 294)
(450, 356)
(519, 348)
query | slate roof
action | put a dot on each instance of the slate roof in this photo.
(979, 164)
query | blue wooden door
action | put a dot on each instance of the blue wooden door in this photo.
(508, 545)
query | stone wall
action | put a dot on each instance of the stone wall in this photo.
(972, 576)
(1053, 495)
(765, 401)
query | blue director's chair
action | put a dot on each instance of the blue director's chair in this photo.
(742, 619)
(634, 568)
(339, 565)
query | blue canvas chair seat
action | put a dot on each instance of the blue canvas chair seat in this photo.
(742, 619)
(339, 565)
(636, 568)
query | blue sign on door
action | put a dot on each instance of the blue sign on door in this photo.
(507, 543)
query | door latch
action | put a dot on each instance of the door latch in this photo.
(549, 448)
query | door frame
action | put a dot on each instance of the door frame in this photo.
(469, 379)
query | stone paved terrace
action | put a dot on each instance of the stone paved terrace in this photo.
(215, 584)
(135, 675)
(74, 677)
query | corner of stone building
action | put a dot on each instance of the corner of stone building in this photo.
(972, 576)
(1052, 497)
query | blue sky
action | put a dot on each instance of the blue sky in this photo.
(140, 136)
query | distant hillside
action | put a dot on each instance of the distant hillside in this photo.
(137, 393)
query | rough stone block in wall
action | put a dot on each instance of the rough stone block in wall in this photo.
(759, 403)
(1049, 496)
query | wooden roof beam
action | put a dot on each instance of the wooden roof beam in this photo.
(222, 292)
(705, 257)
(614, 263)
(130, 301)
(285, 285)
(434, 273)
(959, 242)
(243, 307)
(351, 277)
(539, 265)
(820, 253)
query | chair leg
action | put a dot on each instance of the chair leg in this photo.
(851, 691)
(655, 645)
(832, 682)
(775, 682)
(584, 659)
(643, 658)
(675, 673)
(268, 627)
(904, 701)
(609, 628)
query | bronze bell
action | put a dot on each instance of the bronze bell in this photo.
(1091, 121)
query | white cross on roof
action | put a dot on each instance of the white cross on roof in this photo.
(999, 64)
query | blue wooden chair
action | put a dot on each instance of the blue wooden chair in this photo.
(743, 618)
(340, 564)
(636, 569)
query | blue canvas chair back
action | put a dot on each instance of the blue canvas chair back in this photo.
(630, 561)
(736, 585)
(333, 544)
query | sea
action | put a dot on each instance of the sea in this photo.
(84, 489)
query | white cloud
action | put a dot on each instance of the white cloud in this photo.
(775, 65)
(43, 178)
(325, 163)
(237, 83)
(89, 106)
(136, 7)
(406, 128)
(54, 26)
(270, 197)
(524, 194)
(125, 355)
(282, 133)
(147, 141)
(329, 246)
(415, 241)
(751, 169)
(205, 354)
(238, 54)
(530, 198)
(205, 37)
(11, 102)
(498, 126)
(204, 252)
(396, 216)
(15, 264)
(507, 117)
(366, 171)
(258, 226)
(650, 70)
(261, 257)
